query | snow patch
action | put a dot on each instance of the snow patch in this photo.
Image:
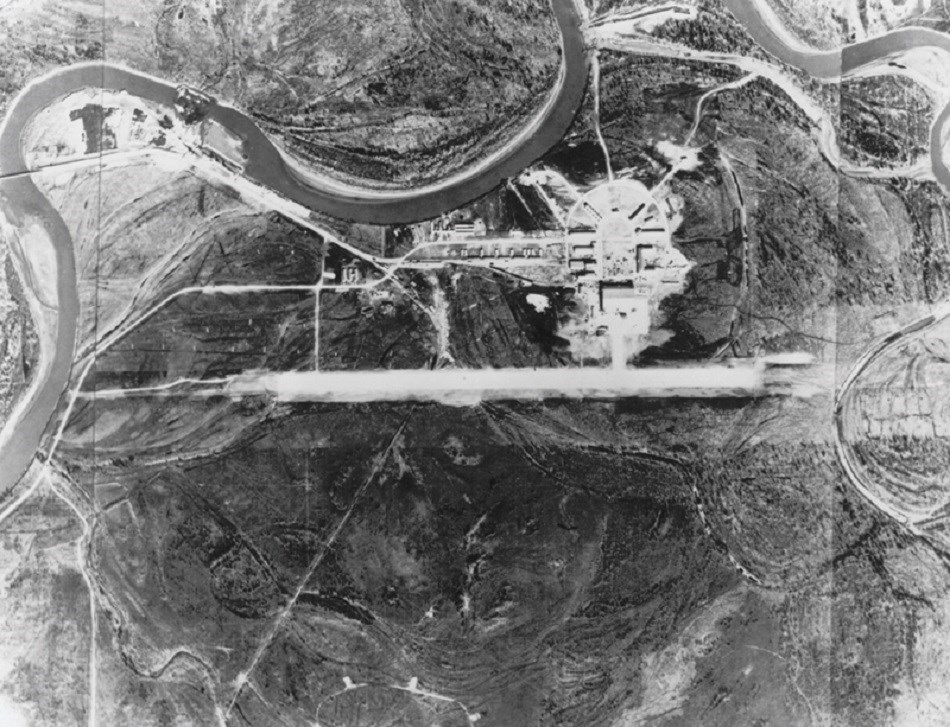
(684, 157)
(538, 301)
(11, 715)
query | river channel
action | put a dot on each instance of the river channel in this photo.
(266, 166)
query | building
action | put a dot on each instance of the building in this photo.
(622, 300)
(350, 275)
(456, 230)
(584, 250)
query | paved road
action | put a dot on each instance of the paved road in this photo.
(20, 440)
(843, 401)
(763, 28)
(777, 41)
(463, 387)
(266, 166)
(22, 201)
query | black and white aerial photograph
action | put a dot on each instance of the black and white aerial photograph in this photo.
(474, 363)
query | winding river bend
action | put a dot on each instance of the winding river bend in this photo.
(23, 202)
(265, 166)
(832, 65)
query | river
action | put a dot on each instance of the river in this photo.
(832, 65)
(266, 166)
(23, 202)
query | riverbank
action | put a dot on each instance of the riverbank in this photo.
(24, 204)
(765, 29)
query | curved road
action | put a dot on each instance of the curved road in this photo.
(266, 166)
(762, 25)
(23, 202)
(765, 31)
(845, 456)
